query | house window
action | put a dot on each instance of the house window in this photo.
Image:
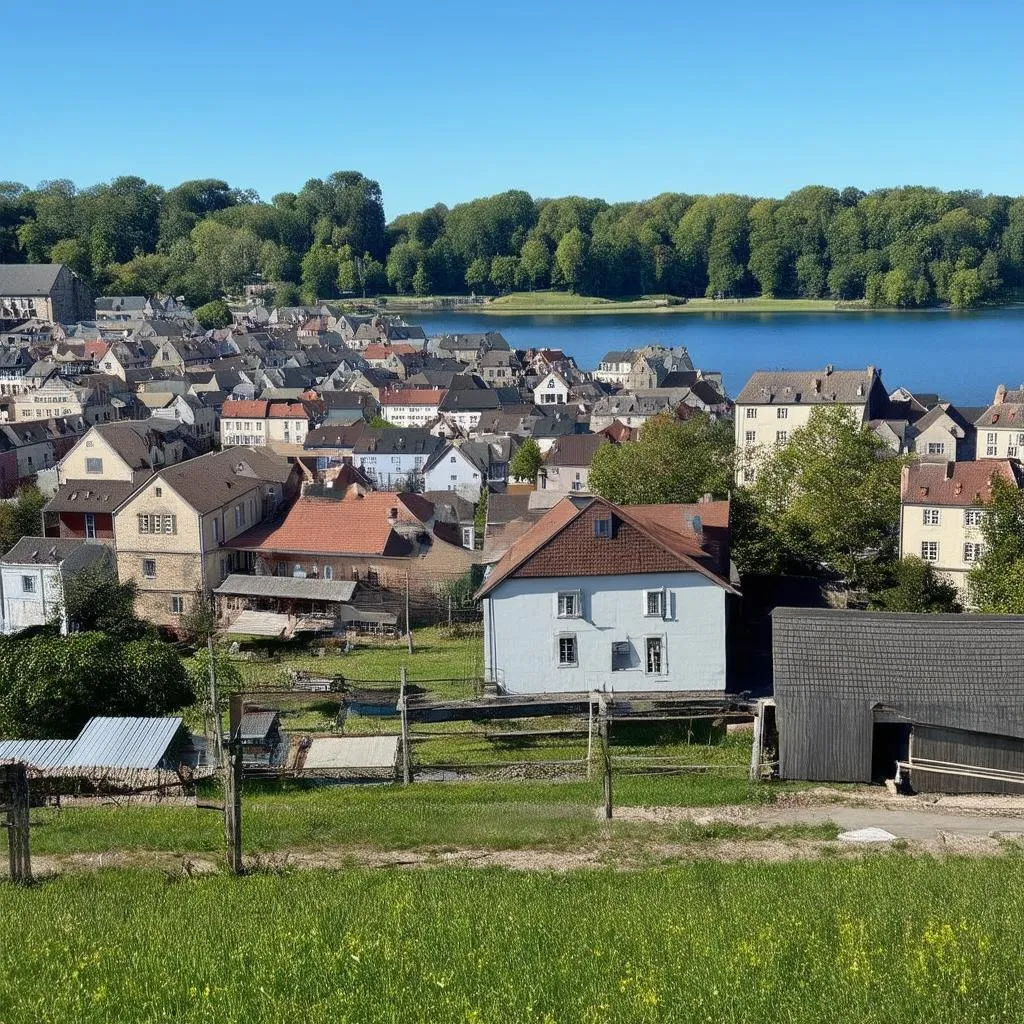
(930, 550)
(751, 413)
(28, 584)
(936, 448)
(781, 436)
(468, 537)
(603, 527)
(748, 476)
(569, 604)
(973, 517)
(158, 491)
(655, 655)
(930, 516)
(328, 573)
(145, 524)
(452, 459)
(177, 604)
(149, 568)
(90, 526)
(991, 441)
(1011, 451)
(972, 552)
(567, 650)
(93, 466)
(654, 603)
(622, 655)
(782, 413)
(750, 436)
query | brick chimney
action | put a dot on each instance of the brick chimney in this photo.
(1000, 395)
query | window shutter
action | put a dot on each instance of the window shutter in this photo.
(664, 603)
(579, 604)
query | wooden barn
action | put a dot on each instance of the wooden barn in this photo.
(934, 700)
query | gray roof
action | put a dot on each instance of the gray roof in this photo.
(43, 550)
(625, 356)
(139, 743)
(256, 724)
(575, 449)
(18, 279)
(470, 400)
(288, 587)
(119, 303)
(397, 440)
(808, 387)
(91, 495)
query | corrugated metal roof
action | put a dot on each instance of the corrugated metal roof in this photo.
(123, 743)
(36, 753)
(256, 724)
(293, 587)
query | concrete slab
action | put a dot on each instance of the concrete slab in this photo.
(352, 753)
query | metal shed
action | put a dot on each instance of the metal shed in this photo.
(939, 697)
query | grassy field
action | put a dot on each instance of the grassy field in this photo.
(545, 302)
(502, 816)
(888, 939)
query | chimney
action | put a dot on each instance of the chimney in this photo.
(697, 527)
(1000, 395)
(950, 469)
(817, 385)
(706, 497)
(392, 515)
(828, 370)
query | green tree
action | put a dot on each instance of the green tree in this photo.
(214, 314)
(504, 272)
(22, 517)
(199, 623)
(996, 583)
(914, 586)
(965, 289)
(319, 273)
(401, 267)
(829, 500)
(478, 274)
(421, 283)
(525, 462)
(571, 259)
(534, 262)
(348, 273)
(96, 601)
(672, 461)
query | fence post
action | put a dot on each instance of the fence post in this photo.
(755, 752)
(607, 760)
(406, 768)
(17, 824)
(233, 787)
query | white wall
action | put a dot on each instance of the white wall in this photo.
(20, 609)
(521, 628)
(455, 473)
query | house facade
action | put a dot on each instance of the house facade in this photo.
(774, 403)
(942, 509)
(1001, 426)
(553, 389)
(44, 291)
(452, 469)
(566, 467)
(597, 596)
(394, 459)
(413, 407)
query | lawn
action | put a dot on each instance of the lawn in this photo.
(423, 816)
(553, 302)
(886, 939)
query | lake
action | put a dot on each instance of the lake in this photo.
(962, 356)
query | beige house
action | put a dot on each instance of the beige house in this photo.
(1001, 426)
(57, 397)
(170, 534)
(120, 451)
(258, 423)
(942, 511)
(45, 291)
(774, 403)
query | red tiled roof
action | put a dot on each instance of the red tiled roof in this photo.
(255, 408)
(96, 350)
(647, 539)
(383, 351)
(959, 484)
(414, 396)
(354, 524)
(287, 410)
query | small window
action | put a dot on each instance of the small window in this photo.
(1012, 451)
(567, 650)
(655, 655)
(782, 413)
(781, 436)
(654, 603)
(936, 448)
(28, 584)
(603, 527)
(177, 604)
(751, 413)
(159, 491)
(145, 524)
(569, 604)
(991, 438)
(149, 568)
(930, 516)
(622, 656)
(328, 573)
(748, 476)
(93, 466)
(972, 552)
(90, 526)
(973, 517)
(930, 550)
(750, 436)
(452, 459)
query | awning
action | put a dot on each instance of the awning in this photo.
(259, 624)
(288, 588)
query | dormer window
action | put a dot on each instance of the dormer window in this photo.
(603, 527)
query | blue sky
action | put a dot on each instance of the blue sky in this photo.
(446, 101)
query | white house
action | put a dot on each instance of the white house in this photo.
(413, 407)
(32, 578)
(615, 367)
(452, 469)
(553, 389)
(597, 596)
(393, 458)
(1001, 426)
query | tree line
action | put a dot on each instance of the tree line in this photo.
(899, 247)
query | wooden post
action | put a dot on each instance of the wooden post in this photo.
(408, 628)
(607, 760)
(590, 732)
(17, 824)
(233, 788)
(755, 753)
(406, 767)
(214, 706)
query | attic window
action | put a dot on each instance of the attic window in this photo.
(159, 492)
(603, 527)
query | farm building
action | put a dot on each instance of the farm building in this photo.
(260, 733)
(940, 698)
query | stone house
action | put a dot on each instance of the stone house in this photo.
(44, 291)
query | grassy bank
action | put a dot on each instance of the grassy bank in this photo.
(563, 303)
(892, 939)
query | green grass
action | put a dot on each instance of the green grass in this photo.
(505, 815)
(543, 302)
(886, 939)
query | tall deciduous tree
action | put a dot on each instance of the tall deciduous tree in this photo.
(526, 460)
(673, 461)
(571, 259)
(997, 581)
(914, 586)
